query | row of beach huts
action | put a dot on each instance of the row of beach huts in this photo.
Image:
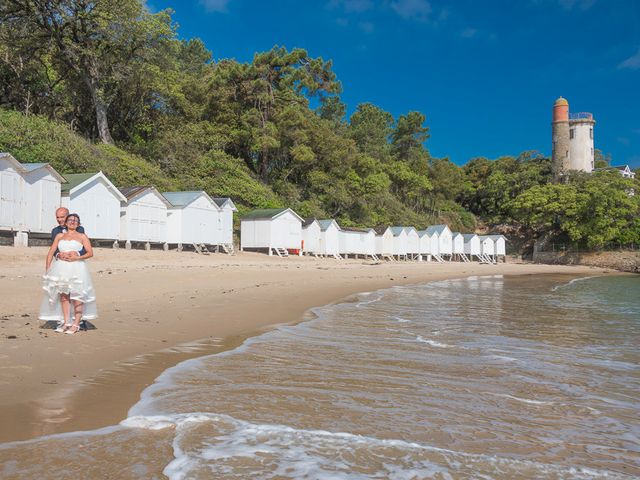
(31, 192)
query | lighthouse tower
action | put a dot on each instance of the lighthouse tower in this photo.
(572, 135)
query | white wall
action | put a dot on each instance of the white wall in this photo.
(400, 244)
(226, 217)
(581, 154)
(311, 237)
(200, 222)
(445, 242)
(99, 210)
(144, 219)
(42, 200)
(486, 245)
(472, 246)
(12, 198)
(329, 241)
(286, 231)
(413, 242)
(384, 243)
(457, 243)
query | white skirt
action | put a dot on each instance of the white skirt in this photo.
(73, 279)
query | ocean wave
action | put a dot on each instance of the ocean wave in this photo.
(571, 282)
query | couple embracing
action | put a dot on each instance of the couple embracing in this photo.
(69, 296)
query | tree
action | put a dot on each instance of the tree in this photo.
(96, 41)
(409, 135)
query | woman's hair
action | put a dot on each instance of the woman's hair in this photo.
(75, 215)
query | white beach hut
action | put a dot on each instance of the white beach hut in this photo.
(399, 242)
(143, 216)
(311, 236)
(275, 230)
(413, 243)
(13, 202)
(227, 209)
(329, 238)
(472, 245)
(357, 241)
(487, 248)
(445, 238)
(193, 218)
(457, 246)
(97, 201)
(42, 189)
(384, 243)
(428, 245)
(499, 243)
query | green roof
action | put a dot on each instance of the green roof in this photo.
(264, 213)
(75, 179)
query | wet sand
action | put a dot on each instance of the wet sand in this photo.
(159, 308)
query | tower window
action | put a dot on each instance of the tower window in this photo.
(572, 133)
(591, 133)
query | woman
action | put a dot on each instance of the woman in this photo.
(68, 281)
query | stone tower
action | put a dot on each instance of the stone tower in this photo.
(572, 136)
(560, 137)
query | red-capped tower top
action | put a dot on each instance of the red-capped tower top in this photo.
(561, 110)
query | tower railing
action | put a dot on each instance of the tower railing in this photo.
(581, 116)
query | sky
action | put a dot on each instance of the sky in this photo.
(485, 73)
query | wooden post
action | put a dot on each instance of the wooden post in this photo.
(147, 246)
(165, 247)
(127, 245)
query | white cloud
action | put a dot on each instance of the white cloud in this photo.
(633, 62)
(215, 5)
(412, 9)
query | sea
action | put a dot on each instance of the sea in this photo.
(488, 377)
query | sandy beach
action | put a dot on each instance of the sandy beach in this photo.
(159, 308)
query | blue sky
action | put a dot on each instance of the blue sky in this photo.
(485, 73)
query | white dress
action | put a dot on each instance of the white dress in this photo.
(68, 277)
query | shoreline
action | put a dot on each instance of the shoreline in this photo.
(176, 307)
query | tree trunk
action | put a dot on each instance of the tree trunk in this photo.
(100, 106)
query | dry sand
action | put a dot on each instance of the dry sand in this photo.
(159, 308)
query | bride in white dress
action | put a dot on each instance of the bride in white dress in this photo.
(68, 282)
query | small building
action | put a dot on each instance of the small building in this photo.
(193, 219)
(472, 245)
(384, 242)
(97, 201)
(445, 238)
(487, 245)
(274, 230)
(457, 243)
(428, 244)
(413, 242)
(329, 238)
(143, 216)
(43, 185)
(227, 209)
(13, 196)
(358, 241)
(399, 242)
(311, 236)
(499, 243)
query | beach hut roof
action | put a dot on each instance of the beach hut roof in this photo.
(469, 236)
(496, 237)
(182, 199)
(397, 231)
(324, 224)
(436, 229)
(408, 229)
(358, 230)
(380, 230)
(77, 180)
(132, 192)
(309, 221)
(269, 213)
(16, 164)
(222, 201)
(32, 167)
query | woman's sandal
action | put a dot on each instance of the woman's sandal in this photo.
(62, 327)
(72, 330)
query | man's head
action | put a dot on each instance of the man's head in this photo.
(61, 215)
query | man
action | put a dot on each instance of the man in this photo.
(61, 216)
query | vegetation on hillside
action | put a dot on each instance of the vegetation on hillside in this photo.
(108, 85)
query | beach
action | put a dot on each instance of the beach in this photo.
(158, 308)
